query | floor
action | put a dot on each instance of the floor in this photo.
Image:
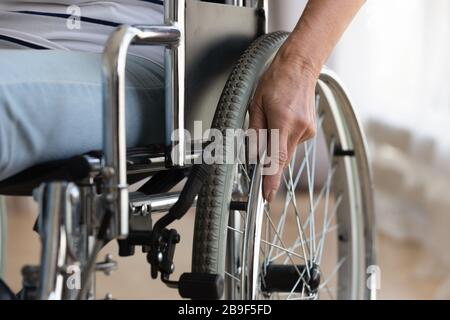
(400, 264)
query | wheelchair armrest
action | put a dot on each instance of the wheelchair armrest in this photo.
(171, 35)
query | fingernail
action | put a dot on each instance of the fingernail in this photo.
(271, 196)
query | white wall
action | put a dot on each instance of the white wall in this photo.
(284, 14)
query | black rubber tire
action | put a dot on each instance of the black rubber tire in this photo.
(212, 213)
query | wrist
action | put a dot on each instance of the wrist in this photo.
(305, 64)
(301, 51)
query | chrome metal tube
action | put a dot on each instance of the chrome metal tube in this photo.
(51, 206)
(114, 122)
(175, 69)
(261, 4)
(114, 126)
(264, 5)
(238, 3)
(56, 205)
(155, 203)
(168, 35)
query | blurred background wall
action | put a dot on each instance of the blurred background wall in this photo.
(394, 59)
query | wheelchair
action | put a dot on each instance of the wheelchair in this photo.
(315, 240)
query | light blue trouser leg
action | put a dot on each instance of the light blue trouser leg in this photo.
(51, 108)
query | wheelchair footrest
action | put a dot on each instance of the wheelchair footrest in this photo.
(201, 286)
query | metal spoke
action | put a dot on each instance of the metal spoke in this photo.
(305, 246)
(311, 199)
(300, 228)
(298, 243)
(281, 222)
(333, 213)
(293, 289)
(232, 276)
(321, 194)
(328, 290)
(333, 273)
(302, 297)
(245, 172)
(303, 164)
(287, 251)
(235, 230)
(327, 196)
(282, 243)
(295, 286)
(267, 232)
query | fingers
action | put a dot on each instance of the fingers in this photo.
(272, 182)
(311, 126)
(257, 122)
(295, 125)
(257, 117)
(287, 146)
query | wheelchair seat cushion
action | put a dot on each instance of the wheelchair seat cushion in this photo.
(51, 106)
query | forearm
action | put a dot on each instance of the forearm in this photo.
(316, 34)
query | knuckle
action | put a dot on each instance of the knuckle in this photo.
(303, 125)
(271, 184)
(283, 156)
(311, 132)
(301, 122)
(273, 181)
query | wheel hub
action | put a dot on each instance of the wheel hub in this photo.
(291, 278)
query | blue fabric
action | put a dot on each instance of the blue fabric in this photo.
(50, 106)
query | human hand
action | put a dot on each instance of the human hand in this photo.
(284, 100)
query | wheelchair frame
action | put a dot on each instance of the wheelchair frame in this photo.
(172, 35)
(107, 213)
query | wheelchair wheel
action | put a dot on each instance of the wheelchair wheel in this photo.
(314, 240)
